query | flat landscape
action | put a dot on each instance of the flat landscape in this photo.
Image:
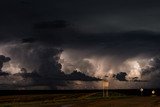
(80, 99)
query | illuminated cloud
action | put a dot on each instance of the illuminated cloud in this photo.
(104, 38)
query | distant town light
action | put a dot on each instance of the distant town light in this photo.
(141, 91)
(153, 92)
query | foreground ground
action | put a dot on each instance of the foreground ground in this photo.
(78, 100)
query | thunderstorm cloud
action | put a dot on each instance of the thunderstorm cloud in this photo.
(72, 44)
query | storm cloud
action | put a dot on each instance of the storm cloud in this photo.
(45, 42)
(121, 76)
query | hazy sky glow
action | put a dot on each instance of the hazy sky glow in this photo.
(68, 44)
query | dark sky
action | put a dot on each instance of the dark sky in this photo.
(52, 38)
(19, 16)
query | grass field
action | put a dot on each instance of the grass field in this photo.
(79, 100)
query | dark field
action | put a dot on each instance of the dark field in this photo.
(79, 98)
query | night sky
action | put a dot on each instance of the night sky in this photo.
(74, 44)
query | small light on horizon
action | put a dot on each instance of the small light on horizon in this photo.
(141, 91)
(153, 92)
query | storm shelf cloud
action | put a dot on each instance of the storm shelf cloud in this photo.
(67, 44)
